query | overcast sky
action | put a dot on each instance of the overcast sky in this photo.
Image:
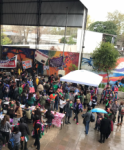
(98, 9)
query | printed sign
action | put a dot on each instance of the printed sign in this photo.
(41, 57)
(27, 64)
(9, 63)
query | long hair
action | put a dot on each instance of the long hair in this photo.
(3, 121)
(7, 117)
(30, 95)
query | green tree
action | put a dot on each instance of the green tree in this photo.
(63, 40)
(105, 57)
(89, 21)
(104, 27)
(118, 19)
(71, 40)
(5, 40)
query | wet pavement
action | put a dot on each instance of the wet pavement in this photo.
(72, 137)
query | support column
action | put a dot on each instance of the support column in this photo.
(82, 38)
(1, 18)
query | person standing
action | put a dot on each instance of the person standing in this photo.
(18, 111)
(17, 135)
(105, 128)
(87, 99)
(5, 128)
(37, 128)
(23, 128)
(68, 111)
(11, 109)
(115, 107)
(121, 113)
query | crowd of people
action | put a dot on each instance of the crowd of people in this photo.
(47, 95)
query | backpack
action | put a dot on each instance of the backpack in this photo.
(92, 118)
(122, 110)
(41, 130)
(11, 143)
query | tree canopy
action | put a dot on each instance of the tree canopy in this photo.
(5, 40)
(118, 19)
(105, 57)
(104, 27)
(89, 21)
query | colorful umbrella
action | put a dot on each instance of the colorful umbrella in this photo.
(99, 110)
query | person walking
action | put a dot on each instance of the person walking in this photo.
(77, 108)
(105, 128)
(121, 113)
(86, 121)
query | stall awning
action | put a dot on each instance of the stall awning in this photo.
(50, 12)
(83, 77)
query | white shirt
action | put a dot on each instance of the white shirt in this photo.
(62, 103)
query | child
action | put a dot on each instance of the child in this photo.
(62, 104)
(68, 111)
(17, 135)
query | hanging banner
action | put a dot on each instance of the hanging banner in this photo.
(9, 63)
(56, 62)
(41, 57)
(27, 64)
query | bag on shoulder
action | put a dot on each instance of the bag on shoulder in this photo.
(92, 118)
(122, 110)
(11, 143)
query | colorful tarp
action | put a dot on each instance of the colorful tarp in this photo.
(9, 63)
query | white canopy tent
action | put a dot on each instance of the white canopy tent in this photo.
(83, 77)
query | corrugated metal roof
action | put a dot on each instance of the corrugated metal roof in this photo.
(52, 12)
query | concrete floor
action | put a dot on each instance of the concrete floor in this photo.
(72, 137)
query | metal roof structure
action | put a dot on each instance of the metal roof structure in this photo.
(42, 12)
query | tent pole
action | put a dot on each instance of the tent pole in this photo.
(65, 35)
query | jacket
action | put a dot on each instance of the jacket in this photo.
(23, 128)
(68, 110)
(19, 113)
(105, 127)
(79, 107)
(115, 107)
(31, 101)
(87, 116)
(120, 107)
(40, 88)
(49, 117)
(88, 98)
(6, 127)
(42, 100)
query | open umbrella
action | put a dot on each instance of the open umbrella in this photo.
(99, 110)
